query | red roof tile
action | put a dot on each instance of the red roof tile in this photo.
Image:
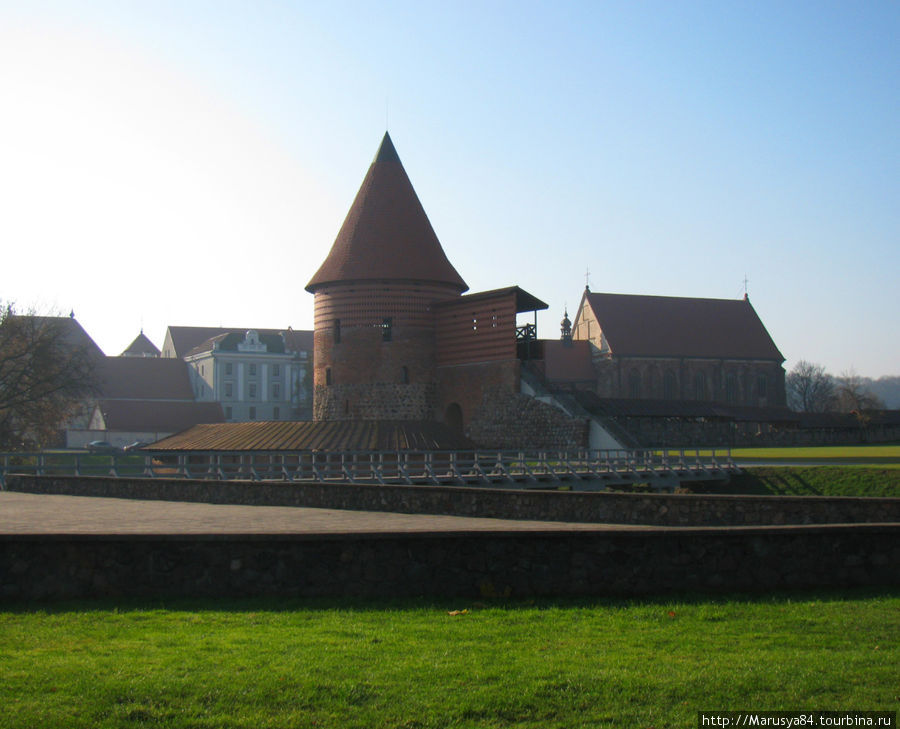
(671, 326)
(157, 416)
(386, 234)
(144, 378)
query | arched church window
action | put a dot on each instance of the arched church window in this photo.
(700, 386)
(670, 385)
(730, 388)
(634, 384)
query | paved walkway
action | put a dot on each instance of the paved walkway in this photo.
(51, 514)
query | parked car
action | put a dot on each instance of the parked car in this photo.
(101, 446)
(136, 446)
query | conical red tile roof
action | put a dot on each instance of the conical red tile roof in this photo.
(386, 234)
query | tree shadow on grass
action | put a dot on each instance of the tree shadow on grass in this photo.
(439, 605)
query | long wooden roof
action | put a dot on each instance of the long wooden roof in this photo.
(345, 435)
(386, 235)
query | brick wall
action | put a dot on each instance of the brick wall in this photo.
(465, 385)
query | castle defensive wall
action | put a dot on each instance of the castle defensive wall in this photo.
(108, 537)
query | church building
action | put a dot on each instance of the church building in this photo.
(680, 348)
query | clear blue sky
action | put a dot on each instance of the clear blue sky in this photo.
(191, 162)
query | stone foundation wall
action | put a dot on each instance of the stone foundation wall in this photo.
(472, 565)
(511, 420)
(376, 401)
(668, 510)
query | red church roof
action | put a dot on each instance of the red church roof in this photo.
(682, 327)
(386, 234)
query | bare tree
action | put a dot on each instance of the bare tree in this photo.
(853, 395)
(44, 377)
(810, 389)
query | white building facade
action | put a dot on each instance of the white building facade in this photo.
(254, 375)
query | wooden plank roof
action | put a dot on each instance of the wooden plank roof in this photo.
(369, 435)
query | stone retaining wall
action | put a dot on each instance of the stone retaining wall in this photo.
(511, 420)
(681, 510)
(609, 562)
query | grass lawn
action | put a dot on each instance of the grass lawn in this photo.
(809, 481)
(461, 664)
(863, 454)
(857, 454)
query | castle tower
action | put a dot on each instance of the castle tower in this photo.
(374, 324)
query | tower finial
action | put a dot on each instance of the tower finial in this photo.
(565, 327)
(587, 278)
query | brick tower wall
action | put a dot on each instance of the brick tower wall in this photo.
(365, 369)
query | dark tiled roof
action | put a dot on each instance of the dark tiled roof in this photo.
(386, 234)
(229, 343)
(158, 416)
(299, 340)
(319, 436)
(141, 347)
(185, 339)
(671, 326)
(144, 378)
(189, 340)
(524, 300)
(72, 333)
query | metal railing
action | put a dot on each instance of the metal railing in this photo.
(516, 469)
